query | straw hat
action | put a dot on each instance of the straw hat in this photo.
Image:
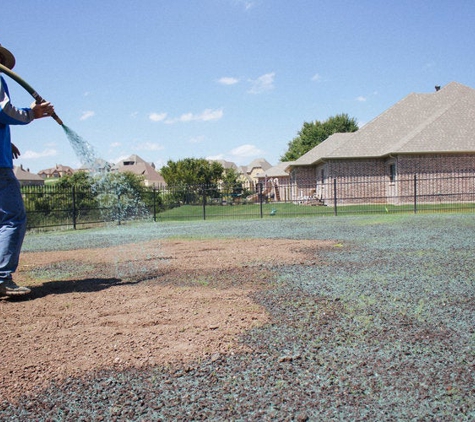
(6, 57)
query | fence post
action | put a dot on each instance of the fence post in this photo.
(415, 193)
(118, 210)
(74, 207)
(154, 196)
(335, 211)
(204, 201)
(261, 197)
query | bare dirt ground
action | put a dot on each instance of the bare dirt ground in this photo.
(157, 303)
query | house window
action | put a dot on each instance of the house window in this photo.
(392, 173)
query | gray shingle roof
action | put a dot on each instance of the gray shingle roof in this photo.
(322, 150)
(137, 165)
(276, 171)
(259, 163)
(24, 175)
(438, 122)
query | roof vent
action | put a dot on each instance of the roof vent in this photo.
(437, 88)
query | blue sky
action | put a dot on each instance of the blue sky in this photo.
(230, 79)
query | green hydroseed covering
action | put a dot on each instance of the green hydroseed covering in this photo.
(381, 327)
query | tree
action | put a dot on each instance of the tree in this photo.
(230, 177)
(230, 185)
(314, 133)
(192, 171)
(80, 179)
(192, 178)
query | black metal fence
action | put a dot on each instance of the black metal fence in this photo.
(51, 206)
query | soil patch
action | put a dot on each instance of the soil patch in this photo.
(135, 305)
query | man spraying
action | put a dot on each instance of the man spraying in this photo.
(12, 209)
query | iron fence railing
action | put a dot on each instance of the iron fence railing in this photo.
(52, 206)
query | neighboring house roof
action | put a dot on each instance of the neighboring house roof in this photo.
(25, 176)
(129, 161)
(59, 169)
(438, 122)
(242, 169)
(276, 171)
(243, 174)
(258, 163)
(247, 173)
(137, 165)
(227, 164)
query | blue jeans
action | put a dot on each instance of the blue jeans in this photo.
(12, 223)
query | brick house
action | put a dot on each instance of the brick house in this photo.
(429, 136)
(248, 174)
(26, 178)
(137, 165)
(56, 172)
(276, 182)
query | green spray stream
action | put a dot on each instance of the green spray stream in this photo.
(82, 149)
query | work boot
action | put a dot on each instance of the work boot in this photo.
(10, 288)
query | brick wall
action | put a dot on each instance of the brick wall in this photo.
(441, 177)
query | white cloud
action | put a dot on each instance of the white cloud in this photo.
(205, 116)
(215, 157)
(32, 155)
(115, 144)
(209, 114)
(361, 99)
(262, 83)
(149, 146)
(246, 3)
(157, 117)
(246, 150)
(227, 80)
(316, 77)
(86, 115)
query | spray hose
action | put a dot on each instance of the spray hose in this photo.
(29, 88)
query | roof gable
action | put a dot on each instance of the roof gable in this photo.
(276, 171)
(452, 129)
(405, 127)
(323, 149)
(142, 168)
(226, 164)
(442, 121)
(258, 163)
(25, 175)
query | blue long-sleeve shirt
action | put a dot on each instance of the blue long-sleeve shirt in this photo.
(9, 115)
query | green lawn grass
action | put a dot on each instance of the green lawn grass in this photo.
(272, 210)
